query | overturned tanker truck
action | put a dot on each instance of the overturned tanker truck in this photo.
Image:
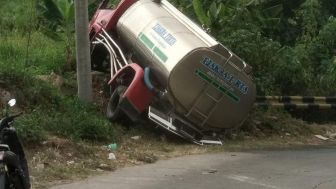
(165, 66)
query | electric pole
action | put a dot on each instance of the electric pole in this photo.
(84, 77)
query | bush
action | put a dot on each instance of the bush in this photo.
(71, 120)
(30, 129)
(291, 76)
(79, 121)
(75, 120)
(272, 122)
(29, 91)
(48, 111)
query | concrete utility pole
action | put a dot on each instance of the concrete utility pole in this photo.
(84, 77)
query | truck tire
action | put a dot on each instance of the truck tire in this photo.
(113, 111)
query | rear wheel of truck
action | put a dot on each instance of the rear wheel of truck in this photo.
(114, 112)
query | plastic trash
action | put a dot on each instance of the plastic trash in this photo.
(112, 147)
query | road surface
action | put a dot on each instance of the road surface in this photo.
(308, 168)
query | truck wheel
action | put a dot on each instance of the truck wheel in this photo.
(114, 112)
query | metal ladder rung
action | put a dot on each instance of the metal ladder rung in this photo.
(197, 100)
(213, 98)
(193, 108)
(212, 109)
(200, 113)
(204, 91)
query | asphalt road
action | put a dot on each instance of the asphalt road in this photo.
(309, 168)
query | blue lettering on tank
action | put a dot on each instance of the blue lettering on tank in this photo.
(163, 33)
(224, 75)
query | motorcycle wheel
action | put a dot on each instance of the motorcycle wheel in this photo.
(2, 180)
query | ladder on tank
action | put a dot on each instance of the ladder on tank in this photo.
(230, 59)
(205, 92)
(184, 129)
(205, 115)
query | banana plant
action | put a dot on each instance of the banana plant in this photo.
(201, 13)
(264, 13)
(267, 13)
(216, 10)
(57, 18)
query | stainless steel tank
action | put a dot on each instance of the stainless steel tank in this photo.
(206, 83)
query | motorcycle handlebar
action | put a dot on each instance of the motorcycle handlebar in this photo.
(16, 115)
(5, 121)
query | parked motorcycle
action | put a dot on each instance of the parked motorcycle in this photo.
(13, 164)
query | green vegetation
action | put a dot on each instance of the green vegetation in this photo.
(48, 110)
(57, 21)
(27, 54)
(290, 44)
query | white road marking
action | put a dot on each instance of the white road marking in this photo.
(250, 180)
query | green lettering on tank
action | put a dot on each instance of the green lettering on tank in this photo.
(150, 45)
(217, 85)
(160, 54)
(203, 76)
(145, 40)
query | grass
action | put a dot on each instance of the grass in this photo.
(44, 55)
(48, 110)
(61, 159)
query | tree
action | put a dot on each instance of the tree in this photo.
(84, 78)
